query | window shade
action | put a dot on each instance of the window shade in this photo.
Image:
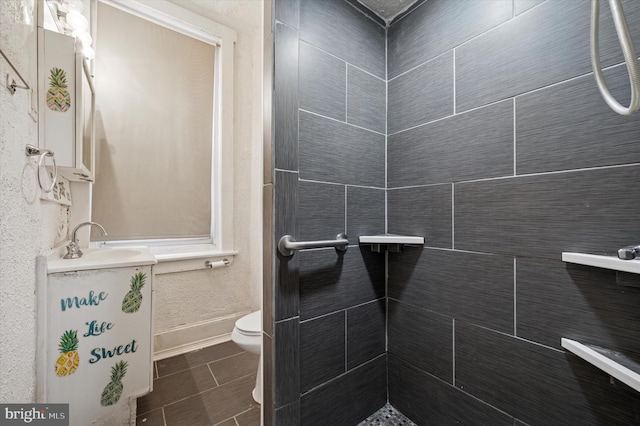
(154, 122)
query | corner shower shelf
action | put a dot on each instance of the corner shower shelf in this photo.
(615, 364)
(390, 242)
(607, 262)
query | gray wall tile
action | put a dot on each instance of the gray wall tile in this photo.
(474, 287)
(421, 337)
(321, 210)
(289, 415)
(331, 151)
(560, 388)
(288, 12)
(285, 98)
(556, 300)
(547, 45)
(268, 259)
(473, 145)
(569, 126)
(437, 26)
(322, 350)
(338, 28)
(366, 332)
(323, 82)
(286, 297)
(545, 215)
(410, 386)
(366, 100)
(424, 94)
(331, 282)
(349, 399)
(423, 211)
(286, 362)
(268, 373)
(524, 5)
(365, 212)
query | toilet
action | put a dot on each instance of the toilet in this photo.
(247, 334)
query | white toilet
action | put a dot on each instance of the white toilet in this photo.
(248, 335)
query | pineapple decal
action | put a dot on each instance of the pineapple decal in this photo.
(133, 299)
(58, 98)
(68, 362)
(113, 391)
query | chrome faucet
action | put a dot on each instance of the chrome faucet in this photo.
(73, 249)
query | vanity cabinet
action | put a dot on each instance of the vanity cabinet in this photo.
(66, 105)
(98, 342)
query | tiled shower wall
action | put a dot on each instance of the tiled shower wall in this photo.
(324, 341)
(502, 153)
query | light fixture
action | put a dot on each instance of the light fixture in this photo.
(77, 21)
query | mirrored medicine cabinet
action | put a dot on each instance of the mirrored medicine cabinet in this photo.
(66, 91)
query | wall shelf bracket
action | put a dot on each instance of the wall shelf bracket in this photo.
(617, 365)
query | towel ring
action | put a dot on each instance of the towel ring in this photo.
(33, 151)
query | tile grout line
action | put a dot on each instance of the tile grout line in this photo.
(346, 342)
(346, 93)
(339, 184)
(515, 173)
(338, 121)
(346, 223)
(488, 179)
(515, 300)
(212, 375)
(342, 60)
(453, 216)
(454, 80)
(201, 364)
(339, 310)
(453, 350)
(517, 95)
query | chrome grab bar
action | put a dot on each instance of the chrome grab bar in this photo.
(287, 244)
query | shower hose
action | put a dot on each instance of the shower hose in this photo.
(628, 50)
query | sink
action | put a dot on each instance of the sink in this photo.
(109, 254)
(101, 258)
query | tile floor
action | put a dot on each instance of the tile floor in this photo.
(211, 386)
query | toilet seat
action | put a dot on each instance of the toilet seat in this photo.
(250, 325)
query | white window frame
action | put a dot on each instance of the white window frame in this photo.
(183, 21)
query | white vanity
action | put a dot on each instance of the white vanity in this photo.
(95, 336)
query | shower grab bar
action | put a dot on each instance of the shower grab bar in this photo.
(288, 245)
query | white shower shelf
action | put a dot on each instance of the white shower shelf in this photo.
(607, 262)
(390, 242)
(614, 364)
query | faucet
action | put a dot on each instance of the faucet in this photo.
(73, 249)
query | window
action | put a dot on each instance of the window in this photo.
(163, 144)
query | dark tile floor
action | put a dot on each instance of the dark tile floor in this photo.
(211, 386)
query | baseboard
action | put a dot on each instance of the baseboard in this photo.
(183, 339)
